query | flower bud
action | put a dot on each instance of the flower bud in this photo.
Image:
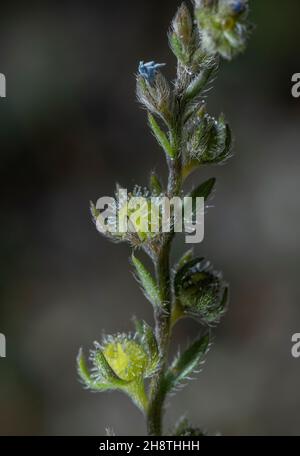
(201, 292)
(209, 141)
(183, 25)
(182, 38)
(149, 70)
(153, 92)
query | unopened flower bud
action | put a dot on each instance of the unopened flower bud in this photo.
(183, 25)
(201, 291)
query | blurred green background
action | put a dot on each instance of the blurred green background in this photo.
(70, 128)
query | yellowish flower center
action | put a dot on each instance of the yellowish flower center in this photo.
(140, 219)
(126, 358)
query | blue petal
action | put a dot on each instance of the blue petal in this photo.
(148, 70)
(238, 7)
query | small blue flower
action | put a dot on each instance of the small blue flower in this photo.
(238, 6)
(148, 70)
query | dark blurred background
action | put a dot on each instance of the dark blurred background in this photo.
(70, 128)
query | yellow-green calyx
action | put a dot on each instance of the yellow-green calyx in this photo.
(127, 358)
(134, 217)
(122, 362)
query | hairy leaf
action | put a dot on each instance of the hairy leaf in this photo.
(102, 370)
(161, 136)
(149, 342)
(186, 363)
(204, 190)
(147, 281)
(85, 375)
(185, 258)
(200, 82)
(178, 49)
(155, 184)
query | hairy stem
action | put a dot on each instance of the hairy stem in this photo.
(163, 314)
(162, 321)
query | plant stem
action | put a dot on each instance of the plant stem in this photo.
(163, 314)
(162, 321)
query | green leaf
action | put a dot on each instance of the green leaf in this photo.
(204, 190)
(222, 308)
(103, 370)
(147, 281)
(85, 376)
(82, 368)
(149, 342)
(186, 363)
(227, 144)
(94, 211)
(161, 136)
(178, 49)
(185, 258)
(200, 82)
(155, 184)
